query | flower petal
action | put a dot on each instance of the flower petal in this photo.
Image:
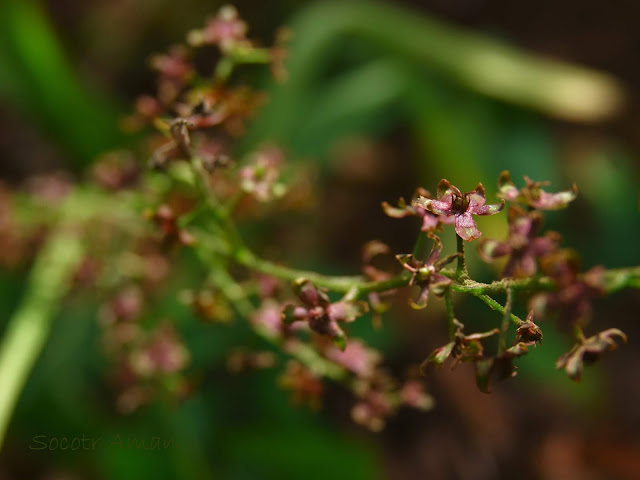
(439, 207)
(443, 206)
(486, 209)
(438, 284)
(439, 355)
(346, 311)
(445, 188)
(308, 293)
(527, 267)
(466, 227)
(477, 197)
(436, 250)
(429, 222)
(542, 245)
(554, 201)
(506, 188)
(293, 313)
(422, 300)
(490, 249)
(402, 210)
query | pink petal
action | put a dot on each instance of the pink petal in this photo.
(466, 227)
(476, 197)
(553, 201)
(429, 222)
(443, 206)
(436, 250)
(491, 249)
(486, 209)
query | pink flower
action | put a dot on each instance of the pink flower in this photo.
(523, 246)
(425, 273)
(532, 194)
(226, 30)
(260, 177)
(357, 358)
(430, 221)
(321, 315)
(453, 203)
(414, 395)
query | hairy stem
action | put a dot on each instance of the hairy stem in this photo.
(499, 308)
(461, 270)
(504, 327)
(451, 317)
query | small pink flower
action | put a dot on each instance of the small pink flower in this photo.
(414, 395)
(430, 221)
(268, 319)
(522, 245)
(260, 177)
(226, 30)
(372, 410)
(357, 358)
(162, 352)
(453, 203)
(532, 194)
(173, 66)
(425, 273)
(321, 315)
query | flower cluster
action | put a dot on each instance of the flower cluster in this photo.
(527, 251)
(532, 195)
(200, 189)
(469, 348)
(522, 246)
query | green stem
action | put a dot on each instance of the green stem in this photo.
(232, 203)
(499, 308)
(29, 327)
(461, 270)
(504, 327)
(578, 333)
(235, 294)
(451, 317)
(420, 251)
(337, 284)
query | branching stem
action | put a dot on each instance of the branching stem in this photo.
(506, 318)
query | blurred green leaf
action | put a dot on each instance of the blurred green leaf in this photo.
(36, 77)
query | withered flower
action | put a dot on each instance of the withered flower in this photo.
(528, 332)
(588, 351)
(463, 348)
(322, 316)
(571, 301)
(425, 273)
(469, 348)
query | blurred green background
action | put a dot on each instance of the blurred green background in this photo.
(381, 98)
